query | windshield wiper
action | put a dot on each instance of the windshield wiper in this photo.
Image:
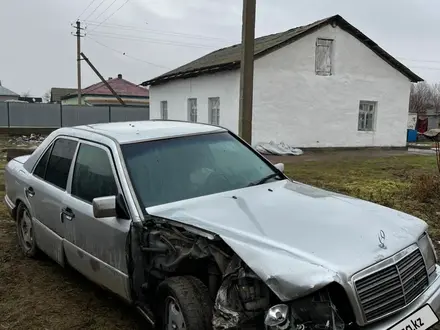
(265, 179)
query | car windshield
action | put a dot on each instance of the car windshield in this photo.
(170, 170)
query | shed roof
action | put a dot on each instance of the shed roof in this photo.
(57, 93)
(6, 92)
(229, 58)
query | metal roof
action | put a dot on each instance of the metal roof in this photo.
(7, 92)
(126, 132)
(57, 93)
(229, 58)
(121, 86)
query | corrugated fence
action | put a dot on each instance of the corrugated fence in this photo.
(44, 115)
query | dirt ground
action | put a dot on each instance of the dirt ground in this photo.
(39, 294)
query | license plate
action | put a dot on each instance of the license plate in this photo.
(422, 319)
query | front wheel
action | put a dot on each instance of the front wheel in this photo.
(184, 303)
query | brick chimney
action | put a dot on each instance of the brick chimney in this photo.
(120, 76)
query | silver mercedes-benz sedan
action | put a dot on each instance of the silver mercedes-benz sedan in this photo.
(199, 231)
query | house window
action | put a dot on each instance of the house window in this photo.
(164, 110)
(192, 110)
(367, 115)
(323, 57)
(214, 110)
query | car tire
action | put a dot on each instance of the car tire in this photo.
(183, 302)
(25, 232)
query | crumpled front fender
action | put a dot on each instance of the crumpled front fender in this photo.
(287, 274)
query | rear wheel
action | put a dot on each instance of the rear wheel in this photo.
(184, 303)
(25, 232)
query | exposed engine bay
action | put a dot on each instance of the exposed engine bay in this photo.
(241, 299)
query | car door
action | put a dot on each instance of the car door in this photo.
(46, 191)
(95, 247)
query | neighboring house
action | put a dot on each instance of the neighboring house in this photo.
(99, 94)
(57, 93)
(7, 94)
(321, 85)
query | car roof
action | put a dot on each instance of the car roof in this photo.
(135, 131)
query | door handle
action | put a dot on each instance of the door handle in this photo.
(30, 192)
(67, 214)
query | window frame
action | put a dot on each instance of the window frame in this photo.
(162, 108)
(365, 112)
(189, 109)
(112, 165)
(331, 50)
(50, 149)
(211, 101)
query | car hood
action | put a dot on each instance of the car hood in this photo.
(298, 238)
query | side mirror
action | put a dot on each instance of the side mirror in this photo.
(280, 167)
(104, 207)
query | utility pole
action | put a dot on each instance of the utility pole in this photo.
(78, 58)
(247, 70)
(102, 79)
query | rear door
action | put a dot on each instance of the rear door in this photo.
(46, 191)
(95, 247)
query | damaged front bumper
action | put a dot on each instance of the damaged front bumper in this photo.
(276, 316)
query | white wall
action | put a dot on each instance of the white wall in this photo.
(294, 105)
(224, 85)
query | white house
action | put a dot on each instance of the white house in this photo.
(321, 85)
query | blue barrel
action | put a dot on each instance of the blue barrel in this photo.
(412, 135)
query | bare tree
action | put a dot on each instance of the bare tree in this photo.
(26, 94)
(420, 98)
(435, 97)
(47, 97)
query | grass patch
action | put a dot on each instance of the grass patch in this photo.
(407, 183)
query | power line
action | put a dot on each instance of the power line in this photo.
(424, 67)
(129, 56)
(108, 17)
(134, 28)
(105, 10)
(150, 40)
(91, 3)
(414, 60)
(94, 10)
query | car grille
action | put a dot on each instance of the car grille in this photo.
(393, 287)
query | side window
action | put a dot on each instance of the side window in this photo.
(214, 110)
(59, 163)
(192, 110)
(93, 176)
(40, 169)
(164, 110)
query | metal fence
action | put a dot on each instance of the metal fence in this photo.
(44, 115)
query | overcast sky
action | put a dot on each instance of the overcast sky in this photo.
(38, 51)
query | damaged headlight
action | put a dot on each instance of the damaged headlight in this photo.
(315, 311)
(277, 317)
(427, 249)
